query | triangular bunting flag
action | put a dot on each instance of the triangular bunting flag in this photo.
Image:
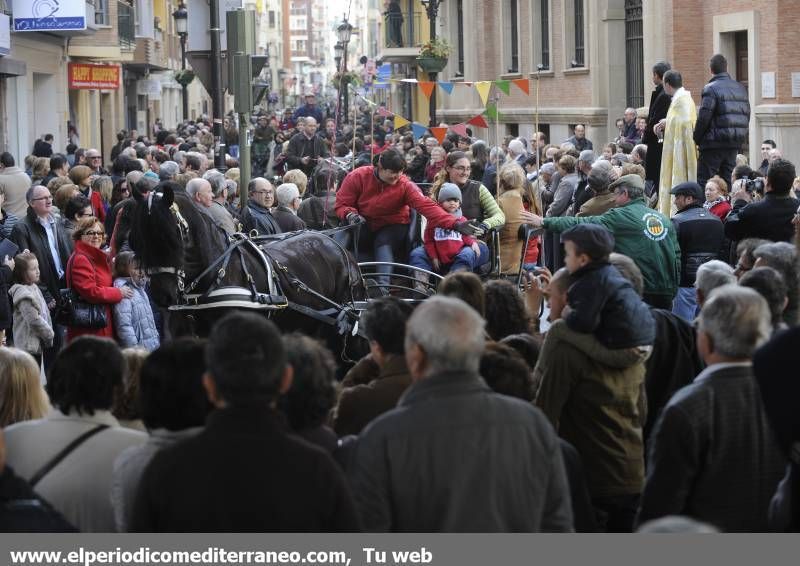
(505, 86)
(460, 129)
(439, 133)
(384, 112)
(491, 111)
(447, 87)
(427, 87)
(418, 130)
(479, 121)
(483, 88)
(523, 84)
(399, 122)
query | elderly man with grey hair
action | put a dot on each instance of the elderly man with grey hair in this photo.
(219, 195)
(403, 474)
(710, 275)
(168, 170)
(288, 197)
(783, 257)
(714, 457)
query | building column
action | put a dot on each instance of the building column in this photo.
(607, 62)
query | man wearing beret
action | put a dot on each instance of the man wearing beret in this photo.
(641, 233)
(700, 236)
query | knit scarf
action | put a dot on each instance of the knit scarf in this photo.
(709, 205)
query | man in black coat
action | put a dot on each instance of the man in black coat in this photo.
(306, 148)
(723, 120)
(771, 217)
(45, 237)
(700, 235)
(659, 105)
(245, 472)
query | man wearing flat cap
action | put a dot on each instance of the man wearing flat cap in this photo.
(700, 236)
(641, 233)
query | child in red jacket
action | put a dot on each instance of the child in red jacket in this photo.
(445, 251)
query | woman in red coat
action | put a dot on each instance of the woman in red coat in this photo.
(89, 274)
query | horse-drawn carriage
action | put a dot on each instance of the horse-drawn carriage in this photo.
(304, 280)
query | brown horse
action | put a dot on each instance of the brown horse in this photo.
(198, 273)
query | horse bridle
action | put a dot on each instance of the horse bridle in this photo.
(183, 228)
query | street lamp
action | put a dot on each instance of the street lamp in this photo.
(343, 32)
(338, 51)
(282, 78)
(432, 10)
(181, 17)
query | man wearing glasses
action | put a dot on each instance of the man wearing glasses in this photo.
(46, 238)
(95, 161)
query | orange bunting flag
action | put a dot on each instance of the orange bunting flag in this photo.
(427, 87)
(523, 84)
(399, 122)
(439, 133)
(483, 88)
(479, 121)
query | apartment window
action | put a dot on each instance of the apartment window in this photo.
(511, 34)
(575, 34)
(101, 17)
(460, 38)
(579, 37)
(272, 19)
(634, 54)
(540, 26)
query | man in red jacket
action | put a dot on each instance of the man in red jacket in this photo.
(380, 197)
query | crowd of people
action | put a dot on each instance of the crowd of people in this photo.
(638, 378)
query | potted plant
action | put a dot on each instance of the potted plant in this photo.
(346, 77)
(184, 77)
(433, 55)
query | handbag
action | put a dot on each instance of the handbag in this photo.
(75, 312)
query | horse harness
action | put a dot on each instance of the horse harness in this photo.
(215, 296)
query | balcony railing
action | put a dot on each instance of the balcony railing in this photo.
(126, 26)
(402, 30)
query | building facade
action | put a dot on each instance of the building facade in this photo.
(589, 60)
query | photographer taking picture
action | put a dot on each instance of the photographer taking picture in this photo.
(771, 217)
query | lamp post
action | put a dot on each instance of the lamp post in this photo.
(343, 32)
(282, 78)
(181, 17)
(338, 50)
(432, 10)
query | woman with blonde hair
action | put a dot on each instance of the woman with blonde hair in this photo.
(104, 186)
(40, 169)
(22, 397)
(83, 176)
(512, 194)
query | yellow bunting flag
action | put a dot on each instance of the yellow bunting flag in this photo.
(399, 122)
(483, 88)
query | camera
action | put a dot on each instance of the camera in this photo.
(755, 186)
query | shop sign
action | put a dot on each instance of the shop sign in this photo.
(97, 77)
(49, 15)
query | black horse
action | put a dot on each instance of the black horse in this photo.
(198, 273)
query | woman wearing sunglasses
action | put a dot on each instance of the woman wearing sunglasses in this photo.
(89, 274)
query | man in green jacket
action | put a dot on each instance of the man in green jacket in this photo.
(641, 233)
